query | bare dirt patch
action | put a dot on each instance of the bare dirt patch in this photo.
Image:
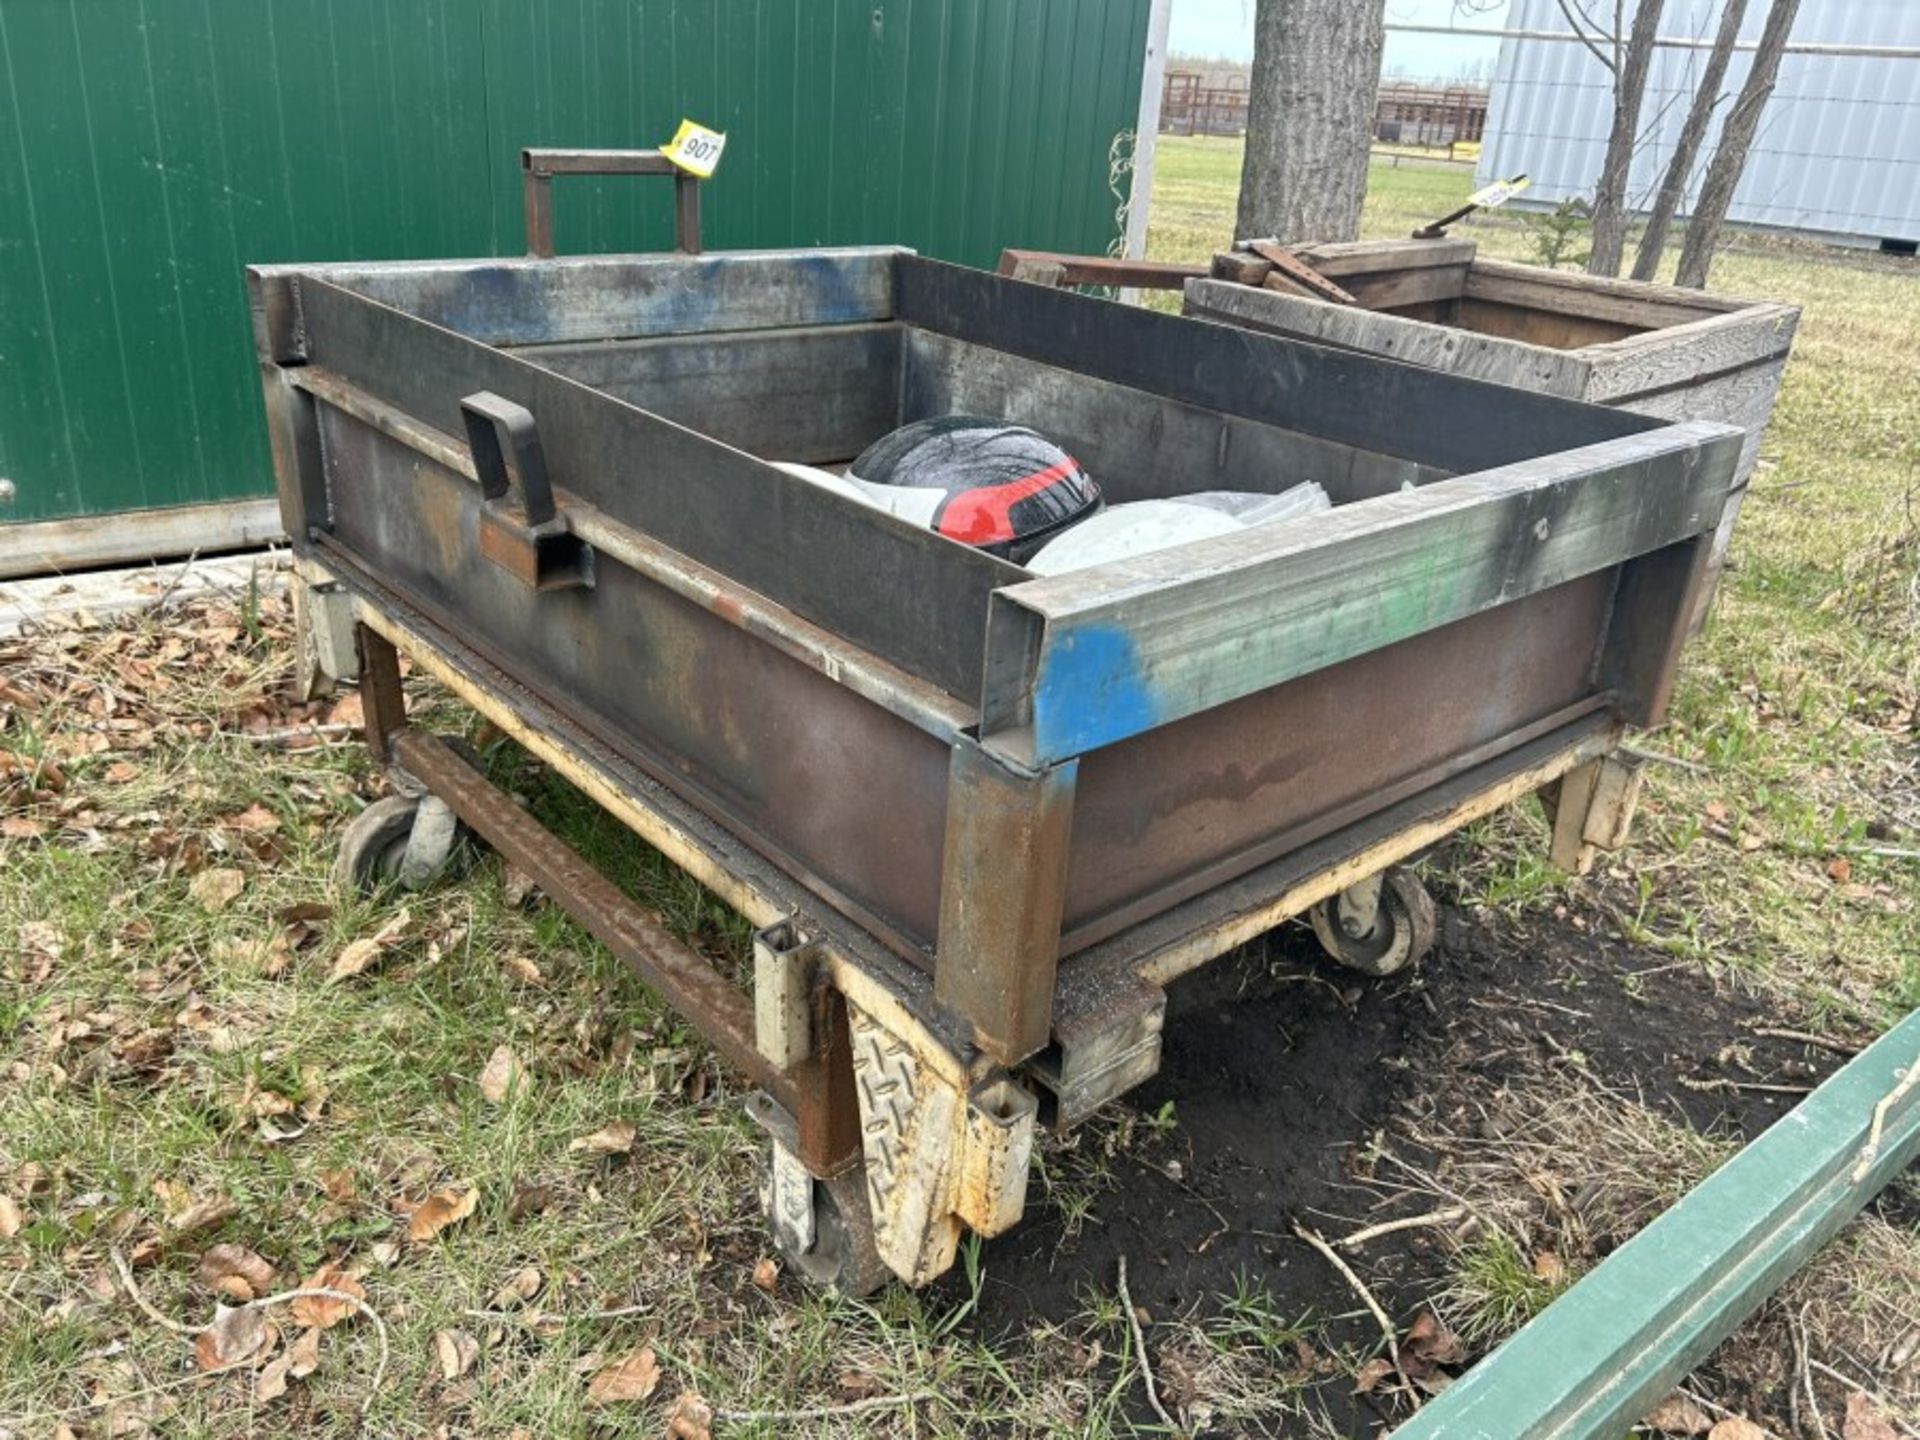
(1302, 1094)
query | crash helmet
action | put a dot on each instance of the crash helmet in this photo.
(1002, 488)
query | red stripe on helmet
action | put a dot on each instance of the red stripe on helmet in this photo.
(984, 516)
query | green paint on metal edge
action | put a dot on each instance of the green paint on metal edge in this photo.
(1615, 1344)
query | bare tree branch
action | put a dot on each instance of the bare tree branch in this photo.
(1567, 9)
(1736, 139)
(1686, 150)
(1629, 91)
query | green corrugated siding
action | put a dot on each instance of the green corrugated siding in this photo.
(151, 148)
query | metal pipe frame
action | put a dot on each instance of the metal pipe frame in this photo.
(539, 166)
(816, 1090)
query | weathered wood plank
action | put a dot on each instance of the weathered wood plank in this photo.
(1418, 342)
(1048, 267)
(1122, 648)
(1617, 301)
(1391, 291)
(1683, 355)
(48, 547)
(1369, 257)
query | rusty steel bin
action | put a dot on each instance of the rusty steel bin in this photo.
(1653, 349)
(981, 818)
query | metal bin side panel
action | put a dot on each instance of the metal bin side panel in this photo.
(841, 794)
(901, 593)
(1180, 808)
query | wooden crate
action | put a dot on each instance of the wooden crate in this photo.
(1656, 349)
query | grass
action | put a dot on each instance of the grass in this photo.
(160, 1045)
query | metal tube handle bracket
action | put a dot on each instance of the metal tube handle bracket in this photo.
(521, 529)
(539, 166)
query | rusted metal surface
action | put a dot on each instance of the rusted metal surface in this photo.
(539, 166)
(1003, 885)
(837, 790)
(1302, 274)
(1188, 935)
(383, 705)
(802, 700)
(1187, 806)
(925, 706)
(900, 591)
(520, 530)
(719, 1009)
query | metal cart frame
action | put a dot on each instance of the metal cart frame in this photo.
(980, 819)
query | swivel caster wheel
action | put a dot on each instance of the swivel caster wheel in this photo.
(407, 839)
(823, 1229)
(1379, 926)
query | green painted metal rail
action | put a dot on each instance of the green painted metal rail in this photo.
(1616, 1344)
(149, 151)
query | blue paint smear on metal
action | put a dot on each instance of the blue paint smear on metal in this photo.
(1090, 692)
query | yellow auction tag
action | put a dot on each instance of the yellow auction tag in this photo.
(695, 149)
(1490, 196)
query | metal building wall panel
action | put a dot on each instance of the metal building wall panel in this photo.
(1838, 152)
(151, 148)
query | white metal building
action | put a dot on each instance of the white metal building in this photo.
(1838, 151)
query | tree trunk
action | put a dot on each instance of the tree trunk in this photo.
(1310, 118)
(1610, 195)
(1736, 138)
(1673, 185)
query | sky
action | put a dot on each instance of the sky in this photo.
(1225, 28)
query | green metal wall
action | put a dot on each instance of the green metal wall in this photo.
(151, 148)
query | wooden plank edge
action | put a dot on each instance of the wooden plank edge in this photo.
(88, 542)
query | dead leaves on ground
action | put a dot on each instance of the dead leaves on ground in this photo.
(614, 1139)
(455, 1351)
(236, 1272)
(1678, 1415)
(634, 1376)
(323, 1312)
(690, 1419)
(187, 1214)
(360, 955)
(244, 1336)
(215, 889)
(1864, 1420)
(296, 1362)
(238, 1334)
(1425, 1349)
(504, 1077)
(440, 1210)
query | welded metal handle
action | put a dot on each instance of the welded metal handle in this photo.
(538, 167)
(507, 456)
(521, 529)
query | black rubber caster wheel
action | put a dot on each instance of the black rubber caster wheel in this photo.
(840, 1255)
(404, 839)
(1402, 930)
(842, 1258)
